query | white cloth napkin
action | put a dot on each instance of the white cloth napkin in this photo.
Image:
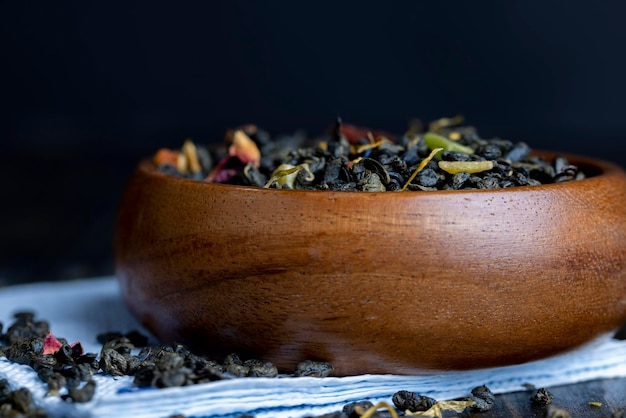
(79, 310)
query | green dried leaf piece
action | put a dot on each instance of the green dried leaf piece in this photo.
(285, 175)
(437, 141)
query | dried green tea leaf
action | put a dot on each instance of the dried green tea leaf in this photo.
(436, 411)
(471, 167)
(595, 404)
(437, 141)
(285, 175)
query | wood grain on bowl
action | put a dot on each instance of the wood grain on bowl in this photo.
(389, 282)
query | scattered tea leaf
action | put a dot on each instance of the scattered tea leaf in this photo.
(483, 398)
(542, 397)
(406, 400)
(285, 175)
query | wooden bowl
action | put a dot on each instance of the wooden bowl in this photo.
(387, 282)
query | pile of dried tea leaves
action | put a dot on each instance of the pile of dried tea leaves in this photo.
(68, 371)
(444, 157)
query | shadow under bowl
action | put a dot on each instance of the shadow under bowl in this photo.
(384, 282)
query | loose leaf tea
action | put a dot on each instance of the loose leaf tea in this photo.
(350, 158)
(542, 397)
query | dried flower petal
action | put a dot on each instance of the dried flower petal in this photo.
(471, 167)
(244, 148)
(357, 149)
(77, 349)
(181, 163)
(437, 409)
(51, 345)
(437, 125)
(354, 133)
(420, 167)
(189, 150)
(371, 411)
(166, 156)
(242, 151)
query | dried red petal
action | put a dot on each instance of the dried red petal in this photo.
(50, 344)
(241, 152)
(354, 133)
(77, 349)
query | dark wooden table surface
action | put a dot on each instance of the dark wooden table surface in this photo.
(575, 399)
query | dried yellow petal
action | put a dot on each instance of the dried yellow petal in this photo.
(455, 136)
(371, 411)
(454, 167)
(181, 163)
(437, 409)
(189, 149)
(357, 149)
(436, 125)
(244, 148)
(420, 167)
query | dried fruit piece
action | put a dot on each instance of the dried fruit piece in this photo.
(454, 167)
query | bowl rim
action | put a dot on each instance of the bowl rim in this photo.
(605, 169)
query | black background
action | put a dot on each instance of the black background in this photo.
(88, 88)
